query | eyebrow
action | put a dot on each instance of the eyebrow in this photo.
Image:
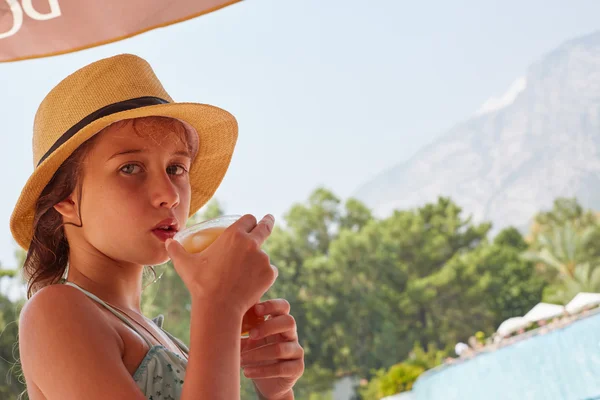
(184, 153)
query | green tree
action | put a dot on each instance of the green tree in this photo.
(561, 249)
(427, 359)
(212, 210)
(565, 245)
(300, 248)
(475, 289)
(566, 217)
(350, 296)
(513, 285)
(586, 278)
(399, 378)
(13, 383)
(564, 210)
(479, 289)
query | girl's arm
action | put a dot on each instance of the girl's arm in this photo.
(213, 370)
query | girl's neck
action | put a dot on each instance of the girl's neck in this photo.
(117, 284)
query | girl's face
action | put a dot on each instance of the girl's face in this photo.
(134, 178)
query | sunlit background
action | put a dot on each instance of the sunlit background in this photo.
(434, 169)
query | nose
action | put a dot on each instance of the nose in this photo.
(164, 193)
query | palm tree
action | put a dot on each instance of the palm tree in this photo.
(585, 279)
(562, 249)
(563, 255)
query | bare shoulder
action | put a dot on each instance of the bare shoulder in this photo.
(68, 349)
(53, 296)
(61, 317)
(63, 310)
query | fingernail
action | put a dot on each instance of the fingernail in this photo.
(254, 333)
(168, 242)
(259, 309)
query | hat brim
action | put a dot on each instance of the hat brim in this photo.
(217, 133)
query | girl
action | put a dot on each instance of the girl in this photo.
(119, 167)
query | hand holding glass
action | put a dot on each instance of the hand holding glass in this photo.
(198, 237)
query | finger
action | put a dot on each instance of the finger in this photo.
(284, 369)
(263, 229)
(249, 344)
(284, 325)
(175, 251)
(276, 271)
(271, 352)
(245, 223)
(244, 342)
(272, 307)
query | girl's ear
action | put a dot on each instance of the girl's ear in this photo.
(68, 209)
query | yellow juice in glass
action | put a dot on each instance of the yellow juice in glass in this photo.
(198, 237)
(200, 240)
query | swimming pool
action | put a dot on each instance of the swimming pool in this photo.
(562, 364)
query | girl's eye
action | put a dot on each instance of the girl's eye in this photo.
(130, 169)
(176, 170)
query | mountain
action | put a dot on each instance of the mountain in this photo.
(539, 141)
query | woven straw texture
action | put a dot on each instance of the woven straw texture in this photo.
(106, 82)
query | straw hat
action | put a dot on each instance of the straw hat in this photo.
(107, 91)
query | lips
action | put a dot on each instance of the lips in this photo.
(166, 229)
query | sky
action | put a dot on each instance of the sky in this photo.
(326, 93)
